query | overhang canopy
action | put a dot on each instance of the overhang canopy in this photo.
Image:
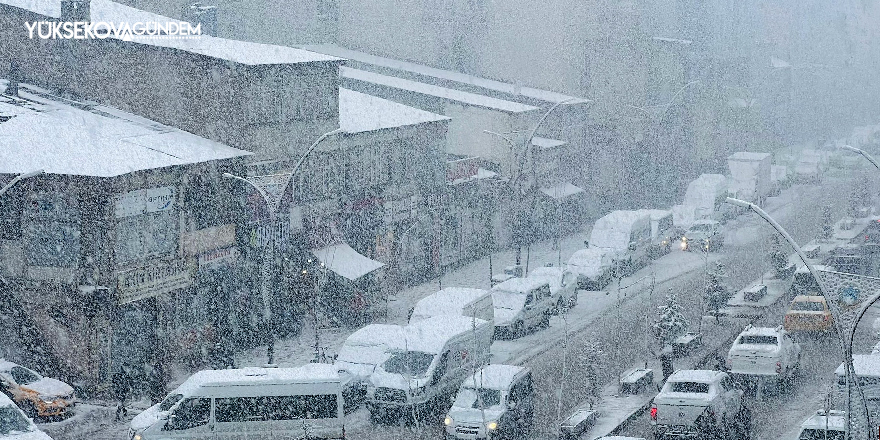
(561, 191)
(345, 261)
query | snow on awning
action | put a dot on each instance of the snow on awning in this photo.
(561, 191)
(345, 261)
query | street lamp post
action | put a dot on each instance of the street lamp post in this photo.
(18, 178)
(269, 250)
(863, 153)
(846, 346)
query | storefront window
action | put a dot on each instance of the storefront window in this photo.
(52, 235)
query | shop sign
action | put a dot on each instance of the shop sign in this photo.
(145, 201)
(208, 239)
(156, 279)
(260, 235)
(218, 258)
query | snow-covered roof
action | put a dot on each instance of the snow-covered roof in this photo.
(314, 373)
(58, 138)
(482, 173)
(700, 376)
(359, 112)
(761, 331)
(436, 91)
(748, 156)
(835, 420)
(430, 335)
(867, 365)
(620, 220)
(561, 190)
(494, 376)
(243, 52)
(655, 214)
(547, 143)
(345, 261)
(521, 285)
(389, 335)
(510, 89)
(449, 300)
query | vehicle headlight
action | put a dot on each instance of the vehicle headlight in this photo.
(47, 399)
(447, 421)
(491, 426)
(136, 437)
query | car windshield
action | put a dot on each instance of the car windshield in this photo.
(23, 376)
(411, 363)
(690, 387)
(170, 401)
(821, 434)
(757, 340)
(471, 397)
(11, 419)
(808, 306)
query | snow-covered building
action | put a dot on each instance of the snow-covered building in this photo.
(110, 251)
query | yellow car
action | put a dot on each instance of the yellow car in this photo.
(808, 313)
(36, 395)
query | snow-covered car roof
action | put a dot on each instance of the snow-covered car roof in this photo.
(495, 376)
(701, 376)
(520, 284)
(865, 365)
(449, 299)
(314, 373)
(762, 331)
(589, 254)
(431, 334)
(836, 420)
(389, 335)
(7, 365)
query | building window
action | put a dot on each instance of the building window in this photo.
(52, 235)
(11, 209)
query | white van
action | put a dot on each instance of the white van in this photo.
(362, 351)
(822, 426)
(458, 301)
(626, 233)
(593, 267)
(495, 402)
(440, 352)
(248, 403)
(521, 304)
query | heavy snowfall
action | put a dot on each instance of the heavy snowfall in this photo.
(388, 219)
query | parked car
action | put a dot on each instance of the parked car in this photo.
(36, 395)
(824, 426)
(593, 268)
(15, 425)
(459, 301)
(495, 402)
(704, 235)
(764, 352)
(808, 313)
(563, 286)
(521, 304)
(362, 351)
(699, 402)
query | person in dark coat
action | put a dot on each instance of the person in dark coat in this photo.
(121, 388)
(666, 363)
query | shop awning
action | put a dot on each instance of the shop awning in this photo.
(561, 191)
(345, 261)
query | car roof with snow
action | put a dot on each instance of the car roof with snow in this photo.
(449, 299)
(431, 334)
(761, 331)
(867, 365)
(656, 214)
(308, 373)
(836, 420)
(700, 376)
(7, 365)
(588, 254)
(522, 285)
(494, 376)
(375, 334)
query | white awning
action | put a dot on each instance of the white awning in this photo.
(345, 261)
(561, 191)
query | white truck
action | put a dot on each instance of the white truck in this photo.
(563, 286)
(698, 404)
(705, 199)
(749, 176)
(627, 234)
(457, 301)
(762, 353)
(419, 380)
(362, 351)
(592, 267)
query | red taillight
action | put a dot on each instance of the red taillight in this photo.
(778, 367)
(825, 318)
(654, 412)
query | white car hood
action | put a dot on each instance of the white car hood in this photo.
(50, 387)
(148, 418)
(504, 316)
(382, 378)
(473, 415)
(358, 371)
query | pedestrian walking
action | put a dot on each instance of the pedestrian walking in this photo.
(121, 389)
